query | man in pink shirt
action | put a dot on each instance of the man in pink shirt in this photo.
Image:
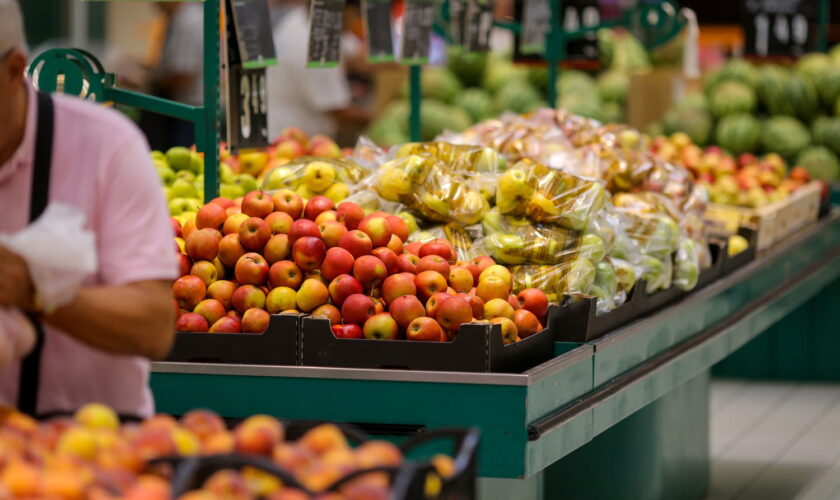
(97, 347)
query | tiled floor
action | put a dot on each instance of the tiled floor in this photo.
(775, 441)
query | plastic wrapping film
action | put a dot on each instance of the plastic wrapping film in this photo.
(310, 176)
(462, 238)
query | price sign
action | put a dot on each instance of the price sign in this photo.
(780, 27)
(326, 21)
(457, 21)
(536, 23)
(416, 31)
(478, 25)
(247, 99)
(377, 21)
(579, 14)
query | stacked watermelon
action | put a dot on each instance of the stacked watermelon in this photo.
(792, 111)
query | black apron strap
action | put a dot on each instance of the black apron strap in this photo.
(30, 369)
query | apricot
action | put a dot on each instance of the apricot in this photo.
(320, 439)
(97, 416)
(78, 441)
(378, 453)
(258, 434)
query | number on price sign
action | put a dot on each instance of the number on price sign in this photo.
(250, 108)
(780, 27)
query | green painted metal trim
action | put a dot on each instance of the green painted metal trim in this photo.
(155, 104)
(823, 20)
(415, 96)
(207, 129)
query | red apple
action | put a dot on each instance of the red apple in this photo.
(223, 202)
(285, 273)
(526, 323)
(233, 313)
(184, 264)
(176, 227)
(206, 271)
(233, 210)
(328, 311)
(389, 258)
(255, 321)
(509, 332)
(348, 331)
(350, 213)
(414, 248)
(331, 233)
(279, 299)
(288, 201)
(424, 328)
(279, 222)
(317, 205)
(246, 297)
(497, 270)
(406, 309)
(429, 283)
(481, 263)
(398, 285)
(477, 305)
(210, 215)
(222, 291)
(226, 325)
(301, 228)
(460, 279)
(191, 322)
(254, 233)
(357, 309)
(398, 227)
(492, 287)
(343, 286)
(337, 261)
(233, 223)
(498, 308)
(377, 228)
(433, 263)
(189, 291)
(277, 248)
(534, 300)
(312, 293)
(395, 245)
(380, 326)
(434, 302)
(230, 250)
(327, 216)
(439, 247)
(408, 263)
(308, 252)
(257, 204)
(370, 271)
(202, 245)
(454, 312)
(252, 269)
(356, 242)
(514, 302)
(188, 228)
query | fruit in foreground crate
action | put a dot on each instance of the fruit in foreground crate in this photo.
(380, 326)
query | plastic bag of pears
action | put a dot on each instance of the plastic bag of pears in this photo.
(310, 176)
(427, 187)
(477, 164)
(686, 264)
(573, 276)
(549, 196)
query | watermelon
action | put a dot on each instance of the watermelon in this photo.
(802, 97)
(837, 107)
(573, 81)
(478, 103)
(739, 133)
(710, 81)
(835, 53)
(738, 70)
(613, 86)
(697, 123)
(828, 86)
(499, 72)
(771, 84)
(731, 97)
(538, 77)
(811, 66)
(826, 132)
(694, 100)
(441, 84)
(467, 66)
(820, 162)
(785, 135)
(437, 117)
(517, 96)
(587, 105)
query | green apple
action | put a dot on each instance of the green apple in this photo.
(226, 174)
(410, 221)
(179, 158)
(186, 175)
(196, 162)
(177, 206)
(606, 278)
(167, 193)
(158, 163)
(592, 247)
(280, 178)
(199, 181)
(625, 274)
(166, 174)
(231, 191)
(182, 188)
(159, 156)
(247, 182)
(580, 276)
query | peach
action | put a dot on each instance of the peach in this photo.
(322, 439)
(258, 434)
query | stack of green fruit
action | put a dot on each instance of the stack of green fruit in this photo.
(746, 108)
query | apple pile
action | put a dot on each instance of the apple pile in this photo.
(92, 456)
(243, 260)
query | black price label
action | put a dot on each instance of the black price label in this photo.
(536, 23)
(457, 21)
(247, 108)
(377, 19)
(253, 33)
(780, 27)
(326, 22)
(416, 31)
(478, 25)
(577, 15)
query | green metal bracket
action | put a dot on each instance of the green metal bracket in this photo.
(822, 26)
(77, 72)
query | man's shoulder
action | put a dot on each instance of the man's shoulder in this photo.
(92, 118)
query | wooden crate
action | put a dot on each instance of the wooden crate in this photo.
(773, 222)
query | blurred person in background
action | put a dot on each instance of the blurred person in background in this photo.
(64, 149)
(318, 100)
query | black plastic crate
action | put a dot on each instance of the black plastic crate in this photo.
(731, 264)
(710, 274)
(578, 319)
(277, 345)
(477, 348)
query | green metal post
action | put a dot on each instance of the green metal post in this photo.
(415, 95)
(207, 133)
(822, 26)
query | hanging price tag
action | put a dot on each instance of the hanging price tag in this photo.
(536, 23)
(457, 21)
(416, 31)
(478, 25)
(377, 20)
(253, 33)
(579, 14)
(326, 21)
(247, 105)
(780, 27)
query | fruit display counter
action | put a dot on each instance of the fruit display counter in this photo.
(639, 393)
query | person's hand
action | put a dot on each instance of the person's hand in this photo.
(16, 288)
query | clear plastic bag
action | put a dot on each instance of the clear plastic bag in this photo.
(310, 176)
(517, 240)
(686, 265)
(574, 276)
